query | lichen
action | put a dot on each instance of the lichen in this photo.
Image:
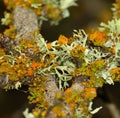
(46, 10)
(78, 64)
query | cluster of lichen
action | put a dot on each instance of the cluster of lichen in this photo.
(47, 10)
(80, 56)
(30, 61)
(84, 61)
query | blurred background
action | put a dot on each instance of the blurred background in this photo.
(87, 15)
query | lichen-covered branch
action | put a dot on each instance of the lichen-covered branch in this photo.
(62, 75)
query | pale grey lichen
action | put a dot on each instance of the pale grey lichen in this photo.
(63, 57)
(6, 19)
(79, 113)
(105, 74)
(80, 37)
(93, 54)
(95, 110)
(18, 85)
(65, 4)
(114, 11)
(64, 68)
(27, 114)
(61, 4)
(36, 5)
(55, 3)
(41, 43)
(112, 26)
(112, 29)
(9, 58)
(117, 50)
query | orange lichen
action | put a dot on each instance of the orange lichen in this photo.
(36, 65)
(112, 50)
(49, 46)
(5, 68)
(90, 93)
(53, 12)
(52, 55)
(78, 51)
(58, 111)
(2, 52)
(70, 40)
(14, 3)
(115, 70)
(62, 39)
(76, 73)
(81, 48)
(98, 38)
(37, 93)
(11, 32)
(68, 91)
(30, 72)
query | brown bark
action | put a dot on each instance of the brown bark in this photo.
(25, 22)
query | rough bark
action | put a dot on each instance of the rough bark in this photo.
(51, 89)
(25, 21)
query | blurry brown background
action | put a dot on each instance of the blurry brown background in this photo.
(87, 15)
